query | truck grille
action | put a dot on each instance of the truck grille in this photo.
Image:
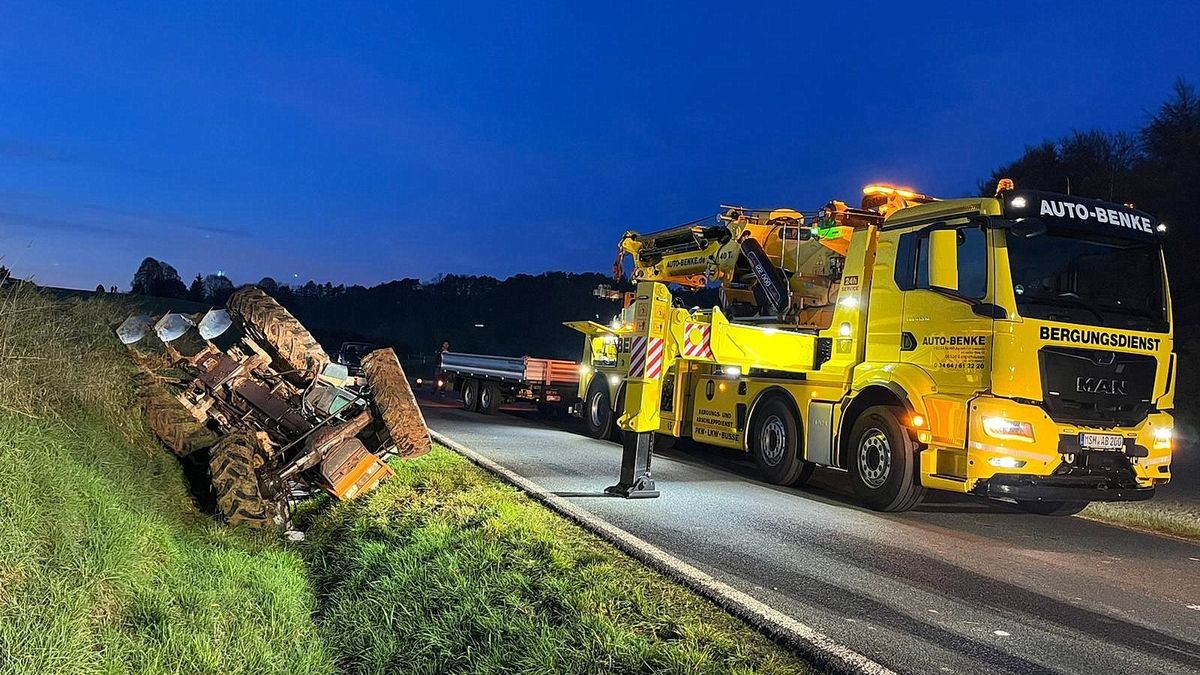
(1096, 387)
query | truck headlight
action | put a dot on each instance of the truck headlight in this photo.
(1163, 437)
(1006, 429)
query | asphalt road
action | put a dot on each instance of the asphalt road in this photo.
(953, 586)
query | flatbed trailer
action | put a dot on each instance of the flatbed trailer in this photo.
(486, 382)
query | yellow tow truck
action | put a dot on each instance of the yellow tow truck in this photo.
(1016, 348)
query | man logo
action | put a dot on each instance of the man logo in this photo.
(1101, 385)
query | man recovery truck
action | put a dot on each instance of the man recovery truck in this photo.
(1017, 348)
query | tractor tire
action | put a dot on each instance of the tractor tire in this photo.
(170, 421)
(395, 404)
(267, 320)
(241, 499)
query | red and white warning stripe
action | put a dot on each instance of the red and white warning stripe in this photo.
(637, 357)
(697, 340)
(654, 358)
(646, 357)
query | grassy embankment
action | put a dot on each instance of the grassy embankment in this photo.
(107, 566)
(1174, 518)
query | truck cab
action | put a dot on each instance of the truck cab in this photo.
(1016, 348)
(1034, 332)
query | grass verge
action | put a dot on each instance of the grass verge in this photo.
(1169, 517)
(446, 569)
(105, 564)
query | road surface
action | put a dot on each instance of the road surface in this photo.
(953, 586)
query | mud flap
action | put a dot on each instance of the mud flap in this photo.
(395, 403)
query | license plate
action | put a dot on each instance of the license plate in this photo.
(1101, 442)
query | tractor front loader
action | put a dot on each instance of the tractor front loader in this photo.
(247, 393)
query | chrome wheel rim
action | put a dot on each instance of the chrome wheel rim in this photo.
(469, 395)
(485, 398)
(772, 442)
(874, 458)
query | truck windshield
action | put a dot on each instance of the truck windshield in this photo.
(1061, 276)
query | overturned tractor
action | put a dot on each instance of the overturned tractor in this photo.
(247, 396)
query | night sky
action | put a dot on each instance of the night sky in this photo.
(373, 142)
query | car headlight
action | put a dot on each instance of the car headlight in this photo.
(1163, 437)
(1006, 429)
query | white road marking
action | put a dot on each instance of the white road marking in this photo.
(1195, 607)
(1001, 633)
(818, 646)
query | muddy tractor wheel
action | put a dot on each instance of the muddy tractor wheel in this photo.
(268, 321)
(241, 499)
(395, 404)
(170, 422)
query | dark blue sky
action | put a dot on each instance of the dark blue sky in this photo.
(373, 142)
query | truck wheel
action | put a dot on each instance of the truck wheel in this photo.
(1052, 508)
(470, 395)
(775, 443)
(598, 412)
(394, 403)
(616, 433)
(883, 461)
(489, 398)
(268, 321)
(240, 496)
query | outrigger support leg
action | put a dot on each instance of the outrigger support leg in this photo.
(636, 482)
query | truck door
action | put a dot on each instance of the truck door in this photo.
(943, 273)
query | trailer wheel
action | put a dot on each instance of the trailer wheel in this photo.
(775, 443)
(241, 499)
(489, 398)
(1052, 508)
(598, 411)
(470, 395)
(883, 461)
(616, 433)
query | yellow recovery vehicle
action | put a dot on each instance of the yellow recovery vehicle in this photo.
(1016, 348)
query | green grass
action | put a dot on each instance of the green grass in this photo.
(445, 568)
(1173, 518)
(106, 566)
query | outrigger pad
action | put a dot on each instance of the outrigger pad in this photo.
(397, 406)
